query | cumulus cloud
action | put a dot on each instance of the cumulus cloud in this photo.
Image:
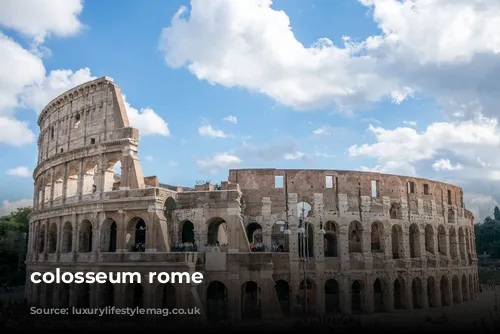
(40, 18)
(294, 156)
(410, 123)
(219, 161)
(268, 152)
(209, 131)
(8, 207)
(15, 133)
(446, 165)
(147, 121)
(19, 171)
(231, 119)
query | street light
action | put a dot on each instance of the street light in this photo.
(321, 229)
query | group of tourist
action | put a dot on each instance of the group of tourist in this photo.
(260, 247)
(139, 247)
(185, 247)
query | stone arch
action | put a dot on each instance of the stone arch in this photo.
(47, 187)
(355, 237)
(83, 295)
(377, 237)
(58, 184)
(307, 288)
(306, 238)
(134, 294)
(108, 235)
(395, 211)
(254, 233)
(217, 301)
(67, 238)
(397, 241)
(86, 236)
(332, 296)
(465, 296)
(304, 209)
(431, 292)
(331, 239)
(442, 240)
(187, 234)
(89, 174)
(106, 294)
(279, 240)
(445, 294)
(217, 232)
(283, 291)
(429, 239)
(72, 182)
(136, 235)
(414, 239)
(357, 292)
(250, 301)
(378, 296)
(41, 239)
(399, 293)
(461, 242)
(169, 207)
(166, 296)
(453, 243)
(112, 174)
(417, 292)
(451, 216)
(456, 289)
(52, 244)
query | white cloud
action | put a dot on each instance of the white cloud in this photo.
(15, 133)
(208, 130)
(231, 119)
(147, 121)
(294, 156)
(323, 131)
(19, 171)
(8, 207)
(445, 164)
(410, 123)
(40, 18)
(219, 161)
(393, 167)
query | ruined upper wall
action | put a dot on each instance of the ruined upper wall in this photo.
(258, 183)
(86, 115)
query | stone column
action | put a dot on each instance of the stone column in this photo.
(343, 246)
(320, 298)
(369, 301)
(425, 298)
(345, 295)
(389, 296)
(79, 184)
(121, 233)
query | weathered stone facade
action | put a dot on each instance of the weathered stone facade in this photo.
(374, 242)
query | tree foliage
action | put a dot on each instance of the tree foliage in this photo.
(488, 235)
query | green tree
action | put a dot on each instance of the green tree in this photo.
(488, 236)
(496, 213)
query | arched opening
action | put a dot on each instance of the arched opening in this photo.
(135, 295)
(304, 210)
(48, 187)
(355, 237)
(465, 295)
(67, 238)
(445, 300)
(112, 175)
(88, 185)
(250, 301)
(41, 239)
(397, 241)
(455, 287)
(451, 216)
(431, 292)
(453, 243)
(414, 241)
(108, 235)
(395, 211)
(442, 240)
(429, 239)
(58, 185)
(169, 207)
(399, 294)
(168, 296)
(254, 236)
(306, 238)
(83, 296)
(461, 242)
(85, 237)
(217, 301)
(283, 291)
(72, 182)
(417, 293)
(217, 232)
(306, 297)
(377, 237)
(64, 295)
(357, 290)
(279, 240)
(332, 296)
(187, 232)
(52, 246)
(106, 294)
(330, 242)
(136, 235)
(378, 296)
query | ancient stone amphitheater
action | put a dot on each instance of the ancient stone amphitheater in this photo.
(352, 242)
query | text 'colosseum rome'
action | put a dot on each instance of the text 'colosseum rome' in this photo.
(266, 240)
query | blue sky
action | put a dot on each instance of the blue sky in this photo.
(349, 84)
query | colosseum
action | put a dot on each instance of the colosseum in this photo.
(269, 242)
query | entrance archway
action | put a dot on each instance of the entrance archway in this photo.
(251, 301)
(217, 307)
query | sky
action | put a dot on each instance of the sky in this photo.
(392, 86)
